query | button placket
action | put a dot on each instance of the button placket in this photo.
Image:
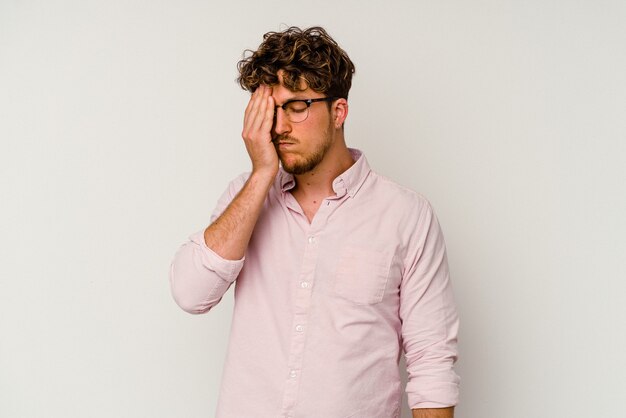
(302, 304)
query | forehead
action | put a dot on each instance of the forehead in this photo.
(281, 94)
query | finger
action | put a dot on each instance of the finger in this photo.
(247, 111)
(250, 109)
(268, 119)
(260, 110)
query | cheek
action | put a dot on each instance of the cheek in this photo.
(318, 125)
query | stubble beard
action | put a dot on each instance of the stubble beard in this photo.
(310, 161)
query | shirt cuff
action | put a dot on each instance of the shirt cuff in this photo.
(442, 395)
(226, 269)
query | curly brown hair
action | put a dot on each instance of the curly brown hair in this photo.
(310, 55)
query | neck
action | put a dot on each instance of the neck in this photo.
(319, 181)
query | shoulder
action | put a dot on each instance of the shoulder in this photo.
(237, 183)
(241, 178)
(393, 193)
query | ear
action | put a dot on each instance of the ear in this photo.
(340, 112)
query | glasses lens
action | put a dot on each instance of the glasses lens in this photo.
(297, 111)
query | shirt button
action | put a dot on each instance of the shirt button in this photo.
(304, 285)
(299, 328)
(311, 239)
(293, 374)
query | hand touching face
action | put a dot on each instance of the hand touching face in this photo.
(257, 127)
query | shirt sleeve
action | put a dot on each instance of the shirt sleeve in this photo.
(429, 318)
(199, 277)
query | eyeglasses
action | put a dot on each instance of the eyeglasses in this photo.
(297, 110)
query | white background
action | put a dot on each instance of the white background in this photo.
(120, 124)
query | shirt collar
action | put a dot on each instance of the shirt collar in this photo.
(349, 182)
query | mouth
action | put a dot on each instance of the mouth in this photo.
(285, 145)
(281, 143)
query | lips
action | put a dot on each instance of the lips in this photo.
(283, 142)
(283, 139)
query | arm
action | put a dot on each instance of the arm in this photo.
(429, 320)
(434, 413)
(229, 235)
(205, 266)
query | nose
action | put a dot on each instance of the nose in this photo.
(281, 122)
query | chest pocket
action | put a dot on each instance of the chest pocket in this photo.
(361, 275)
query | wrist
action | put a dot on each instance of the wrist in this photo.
(264, 175)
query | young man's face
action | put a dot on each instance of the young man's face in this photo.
(301, 146)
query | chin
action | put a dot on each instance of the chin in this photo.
(300, 164)
(289, 163)
(291, 168)
(298, 169)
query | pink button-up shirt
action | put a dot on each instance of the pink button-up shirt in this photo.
(323, 309)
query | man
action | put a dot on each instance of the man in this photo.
(336, 267)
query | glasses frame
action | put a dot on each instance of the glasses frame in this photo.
(308, 103)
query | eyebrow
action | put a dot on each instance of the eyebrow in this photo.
(291, 100)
